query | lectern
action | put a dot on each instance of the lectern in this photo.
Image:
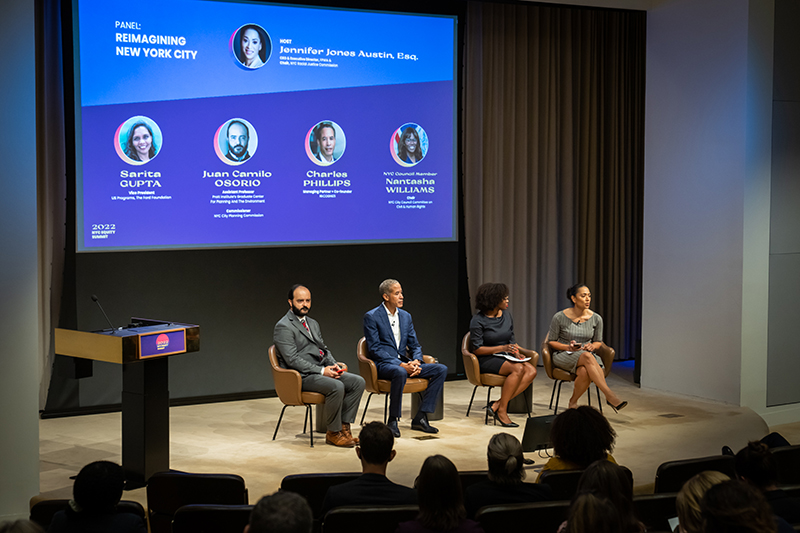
(142, 349)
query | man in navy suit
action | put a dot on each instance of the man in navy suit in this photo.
(393, 345)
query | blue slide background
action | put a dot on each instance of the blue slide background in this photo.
(189, 99)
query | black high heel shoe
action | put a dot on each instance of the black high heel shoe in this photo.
(617, 408)
(497, 418)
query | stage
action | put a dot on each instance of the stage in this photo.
(236, 437)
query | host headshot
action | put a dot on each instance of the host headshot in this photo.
(251, 46)
(325, 143)
(138, 140)
(409, 144)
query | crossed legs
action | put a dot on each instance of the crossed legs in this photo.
(518, 378)
(589, 371)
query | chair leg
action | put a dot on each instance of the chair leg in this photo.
(552, 394)
(279, 422)
(311, 423)
(599, 403)
(558, 396)
(385, 408)
(530, 404)
(366, 407)
(471, 398)
(488, 404)
(589, 395)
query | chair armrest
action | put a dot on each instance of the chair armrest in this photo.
(607, 354)
(342, 365)
(429, 359)
(547, 358)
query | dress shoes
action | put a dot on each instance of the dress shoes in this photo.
(346, 431)
(338, 438)
(420, 423)
(392, 425)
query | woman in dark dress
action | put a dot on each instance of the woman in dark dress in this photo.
(492, 332)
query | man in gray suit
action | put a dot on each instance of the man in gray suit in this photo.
(300, 346)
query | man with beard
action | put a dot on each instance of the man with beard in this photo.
(300, 346)
(238, 137)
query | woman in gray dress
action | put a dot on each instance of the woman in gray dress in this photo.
(575, 333)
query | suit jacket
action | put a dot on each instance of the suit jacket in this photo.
(380, 339)
(298, 348)
(368, 489)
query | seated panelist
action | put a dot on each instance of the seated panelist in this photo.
(298, 339)
(392, 343)
(493, 342)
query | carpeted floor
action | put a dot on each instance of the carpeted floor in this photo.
(235, 437)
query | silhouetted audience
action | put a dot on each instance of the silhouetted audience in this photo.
(375, 450)
(506, 474)
(580, 436)
(20, 526)
(736, 507)
(441, 503)
(687, 503)
(281, 512)
(590, 513)
(93, 508)
(608, 480)
(756, 466)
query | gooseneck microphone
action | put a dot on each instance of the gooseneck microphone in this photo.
(95, 300)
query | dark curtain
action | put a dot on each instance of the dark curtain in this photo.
(553, 161)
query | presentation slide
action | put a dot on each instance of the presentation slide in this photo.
(221, 124)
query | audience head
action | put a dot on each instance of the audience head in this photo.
(282, 512)
(98, 487)
(376, 444)
(582, 436)
(688, 501)
(608, 480)
(20, 526)
(441, 502)
(589, 513)
(735, 507)
(505, 459)
(756, 465)
(490, 296)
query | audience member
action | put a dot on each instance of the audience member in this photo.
(375, 450)
(441, 503)
(20, 526)
(687, 504)
(756, 466)
(736, 507)
(506, 473)
(282, 512)
(580, 437)
(95, 494)
(589, 513)
(608, 480)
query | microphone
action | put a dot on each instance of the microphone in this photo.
(95, 300)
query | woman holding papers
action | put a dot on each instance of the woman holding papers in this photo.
(575, 334)
(492, 332)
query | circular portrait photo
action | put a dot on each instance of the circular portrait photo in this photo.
(235, 141)
(409, 144)
(251, 46)
(138, 140)
(325, 143)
